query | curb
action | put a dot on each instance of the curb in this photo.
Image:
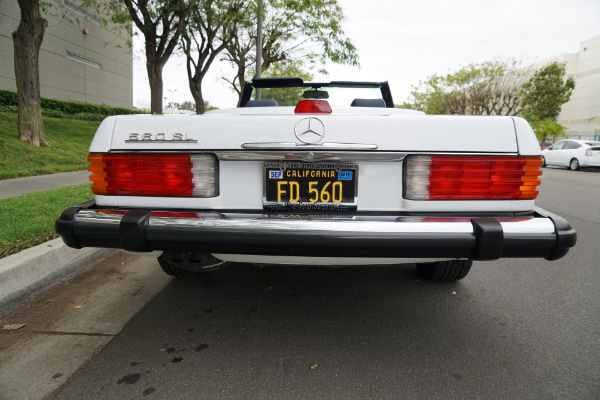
(30, 272)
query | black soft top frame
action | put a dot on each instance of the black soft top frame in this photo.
(266, 83)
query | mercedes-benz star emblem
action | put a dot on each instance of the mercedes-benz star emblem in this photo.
(310, 130)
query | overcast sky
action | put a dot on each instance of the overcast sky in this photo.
(404, 42)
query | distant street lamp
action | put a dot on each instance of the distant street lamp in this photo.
(172, 91)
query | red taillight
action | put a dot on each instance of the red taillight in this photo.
(472, 178)
(174, 214)
(164, 214)
(165, 175)
(313, 107)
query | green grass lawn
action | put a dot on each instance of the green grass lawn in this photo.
(71, 139)
(28, 220)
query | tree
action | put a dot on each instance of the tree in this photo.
(286, 96)
(546, 128)
(188, 105)
(543, 97)
(546, 92)
(27, 41)
(161, 22)
(488, 88)
(212, 26)
(310, 30)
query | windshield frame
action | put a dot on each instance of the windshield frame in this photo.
(266, 83)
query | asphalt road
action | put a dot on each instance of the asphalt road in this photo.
(512, 329)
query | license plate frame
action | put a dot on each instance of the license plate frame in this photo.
(342, 178)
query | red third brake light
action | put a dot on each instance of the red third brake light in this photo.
(472, 178)
(313, 107)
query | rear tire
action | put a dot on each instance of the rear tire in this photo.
(444, 271)
(574, 164)
(173, 270)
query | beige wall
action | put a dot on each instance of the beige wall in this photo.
(582, 112)
(109, 81)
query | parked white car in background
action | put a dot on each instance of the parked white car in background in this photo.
(573, 154)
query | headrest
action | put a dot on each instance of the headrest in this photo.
(368, 103)
(261, 103)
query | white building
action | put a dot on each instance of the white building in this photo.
(581, 115)
(87, 61)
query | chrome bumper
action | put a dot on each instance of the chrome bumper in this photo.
(541, 234)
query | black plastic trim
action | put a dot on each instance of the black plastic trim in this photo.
(486, 242)
(387, 94)
(65, 223)
(566, 237)
(263, 83)
(294, 243)
(490, 238)
(132, 230)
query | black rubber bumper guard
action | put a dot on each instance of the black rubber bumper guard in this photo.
(487, 241)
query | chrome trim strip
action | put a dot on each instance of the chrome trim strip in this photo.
(300, 146)
(308, 156)
(528, 226)
(96, 217)
(274, 223)
(348, 156)
(147, 141)
(284, 225)
(316, 260)
(299, 155)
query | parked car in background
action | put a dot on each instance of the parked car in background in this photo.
(573, 154)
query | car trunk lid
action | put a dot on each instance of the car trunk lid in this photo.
(393, 132)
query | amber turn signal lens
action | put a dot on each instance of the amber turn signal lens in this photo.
(98, 176)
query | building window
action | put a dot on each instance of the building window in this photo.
(85, 60)
(82, 12)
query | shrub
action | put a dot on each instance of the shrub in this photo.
(8, 109)
(66, 109)
(88, 116)
(53, 114)
(8, 98)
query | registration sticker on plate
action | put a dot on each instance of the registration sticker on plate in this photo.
(296, 186)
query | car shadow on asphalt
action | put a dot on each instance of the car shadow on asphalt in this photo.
(264, 332)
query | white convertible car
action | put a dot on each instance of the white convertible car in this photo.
(317, 174)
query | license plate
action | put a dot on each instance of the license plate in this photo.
(294, 186)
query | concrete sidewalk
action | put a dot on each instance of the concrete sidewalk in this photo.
(31, 271)
(30, 184)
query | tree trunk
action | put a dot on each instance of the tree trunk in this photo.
(200, 105)
(27, 41)
(196, 90)
(156, 86)
(241, 75)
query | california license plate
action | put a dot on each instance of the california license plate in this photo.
(296, 186)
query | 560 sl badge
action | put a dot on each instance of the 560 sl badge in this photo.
(160, 138)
